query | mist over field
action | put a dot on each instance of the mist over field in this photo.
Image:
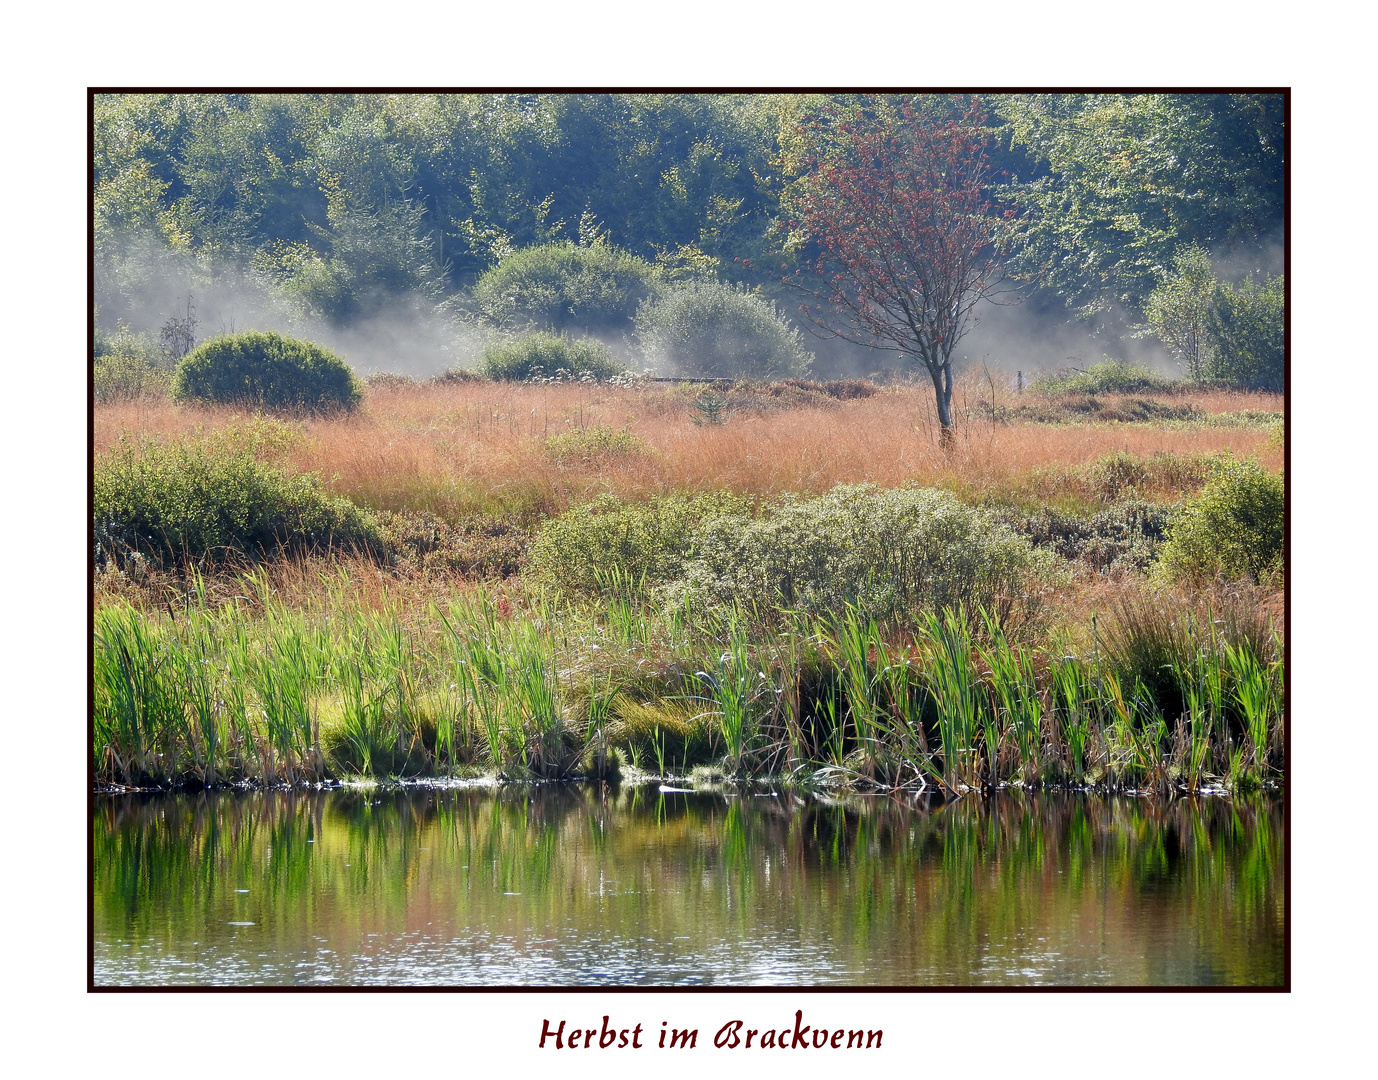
(1018, 337)
(409, 334)
(413, 335)
(389, 228)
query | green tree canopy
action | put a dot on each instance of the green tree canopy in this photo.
(1179, 308)
(1117, 183)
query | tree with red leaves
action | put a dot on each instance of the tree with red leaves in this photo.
(891, 215)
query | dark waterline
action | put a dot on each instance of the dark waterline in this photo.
(565, 885)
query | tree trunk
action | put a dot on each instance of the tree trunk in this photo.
(942, 390)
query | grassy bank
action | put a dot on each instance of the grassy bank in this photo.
(1157, 697)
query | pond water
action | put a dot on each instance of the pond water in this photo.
(572, 885)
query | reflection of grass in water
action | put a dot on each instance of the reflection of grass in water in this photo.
(865, 874)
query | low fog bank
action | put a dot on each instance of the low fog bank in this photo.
(1020, 337)
(415, 336)
(410, 335)
(1008, 338)
(1267, 259)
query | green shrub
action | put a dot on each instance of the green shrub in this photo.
(478, 547)
(456, 375)
(1122, 475)
(263, 369)
(541, 355)
(595, 546)
(126, 342)
(1220, 332)
(594, 444)
(1115, 474)
(1179, 472)
(1246, 329)
(199, 498)
(1161, 642)
(1232, 529)
(711, 330)
(1107, 377)
(126, 365)
(563, 286)
(125, 378)
(389, 380)
(1122, 537)
(1243, 418)
(890, 551)
(1177, 310)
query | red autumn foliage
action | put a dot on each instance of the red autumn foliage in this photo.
(892, 215)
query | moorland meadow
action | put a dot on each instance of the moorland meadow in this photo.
(543, 580)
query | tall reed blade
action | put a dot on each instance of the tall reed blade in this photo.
(946, 646)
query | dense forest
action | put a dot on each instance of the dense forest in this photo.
(347, 217)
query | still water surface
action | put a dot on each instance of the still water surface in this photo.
(571, 885)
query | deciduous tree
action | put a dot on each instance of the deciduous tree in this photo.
(1178, 309)
(1116, 183)
(892, 215)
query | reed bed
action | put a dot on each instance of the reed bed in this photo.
(259, 691)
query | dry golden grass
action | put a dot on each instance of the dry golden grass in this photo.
(460, 447)
(1071, 608)
(317, 584)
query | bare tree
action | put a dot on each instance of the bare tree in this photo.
(178, 335)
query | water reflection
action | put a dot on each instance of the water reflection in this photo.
(569, 885)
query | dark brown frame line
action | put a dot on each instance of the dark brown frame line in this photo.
(1287, 550)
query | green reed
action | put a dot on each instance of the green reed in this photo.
(284, 678)
(208, 730)
(600, 702)
(530, 688)
(1018, 707)
(478, 672)
(787, 649)
(853, 640)
(136, 707)
(732, 685)
(902, 720)
(1073, 712)
(1257, 693)
(946, 645)
(256, 690)
(364, 699)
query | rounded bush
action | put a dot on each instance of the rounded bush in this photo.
(541, 355)
(1125, 536)
(610, 544)
(564, 286)
(1232, 529)
(127, 378)
(263, 369)
(892, 552)
(1247, 326)
(711, 330)
(594, 445)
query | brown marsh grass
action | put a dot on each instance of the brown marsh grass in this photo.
(457, 448)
